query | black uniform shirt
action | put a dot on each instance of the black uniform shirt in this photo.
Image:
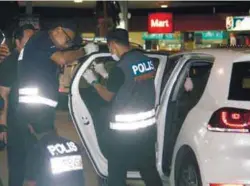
(55, 161)
(36, 69)
(8, 78)
(115, 80)
(8, 70)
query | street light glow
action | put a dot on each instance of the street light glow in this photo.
(164, 6)
(78, 1)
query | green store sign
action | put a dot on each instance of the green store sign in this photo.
(206, 36)
(213, 35)
(170, 37)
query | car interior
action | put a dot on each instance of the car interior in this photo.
(94, 102)
(180, 103)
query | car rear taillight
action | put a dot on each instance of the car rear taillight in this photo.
(220, 184)
(230, 120)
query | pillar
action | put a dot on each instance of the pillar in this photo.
(124, 15)
(28, 8)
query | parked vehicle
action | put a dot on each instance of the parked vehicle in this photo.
(203, 135)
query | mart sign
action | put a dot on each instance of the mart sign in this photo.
(160, 23)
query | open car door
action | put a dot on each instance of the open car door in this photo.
(83, 100)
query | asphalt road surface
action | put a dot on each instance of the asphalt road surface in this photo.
(66, 129)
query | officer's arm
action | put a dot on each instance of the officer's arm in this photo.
(66, 57)
(115, 81)
(4, 92)
(104, 92)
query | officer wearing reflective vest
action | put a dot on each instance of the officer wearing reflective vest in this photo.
(53, 160)
(131, 131)
(38, 64)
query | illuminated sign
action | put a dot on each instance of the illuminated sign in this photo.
(238, 23)
(26, 19)
(169, 37)
(160, 23)
(212, 35)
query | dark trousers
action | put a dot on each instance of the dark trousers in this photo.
(20, 139)
(133, 151)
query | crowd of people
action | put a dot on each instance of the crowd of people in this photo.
(29, 96)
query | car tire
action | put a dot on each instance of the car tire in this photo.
(188, 172)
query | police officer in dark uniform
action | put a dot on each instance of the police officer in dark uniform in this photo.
(131, 131)
(8, 90)
(53, 160)
(38, 75)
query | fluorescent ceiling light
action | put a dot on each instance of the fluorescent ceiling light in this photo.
(78, 1)
(164, 6)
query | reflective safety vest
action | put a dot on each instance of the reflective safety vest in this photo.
(133, 121)
(133, 104)
(33, 96)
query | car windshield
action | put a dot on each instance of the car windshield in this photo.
(240, 82)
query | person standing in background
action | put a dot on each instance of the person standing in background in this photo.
(8, 90)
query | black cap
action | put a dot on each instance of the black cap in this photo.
(18, 33)
(118, 35)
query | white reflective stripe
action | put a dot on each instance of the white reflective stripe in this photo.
(28, 91)
(37, 100)
(66, 164)
(135, 117)
(133, 125)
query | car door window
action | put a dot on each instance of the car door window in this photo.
(172, 62)
(182, 101)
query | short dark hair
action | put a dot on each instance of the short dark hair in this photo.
(120, 36)
(71, 25)
(19, 32)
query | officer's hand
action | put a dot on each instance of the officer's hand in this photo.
(90, 48)
(3, 133)
(4, 52)
(3, 137)
(89, 76)
(100, 69)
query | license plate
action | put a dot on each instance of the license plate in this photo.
(66, 164)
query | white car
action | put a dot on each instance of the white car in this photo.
(203, 135)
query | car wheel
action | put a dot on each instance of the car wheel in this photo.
(188, 173)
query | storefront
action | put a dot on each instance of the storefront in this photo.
(208, 39)
(238, 28)
(168, 42)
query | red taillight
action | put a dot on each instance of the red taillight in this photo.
(220, 184)
(230, 120)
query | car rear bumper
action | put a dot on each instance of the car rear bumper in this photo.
(224, 158)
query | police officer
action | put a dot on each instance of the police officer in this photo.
(131, 124)
(38, 74)
(8, 90)
(53, 160)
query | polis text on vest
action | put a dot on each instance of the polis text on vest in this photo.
(142, 67)
(58, 149)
